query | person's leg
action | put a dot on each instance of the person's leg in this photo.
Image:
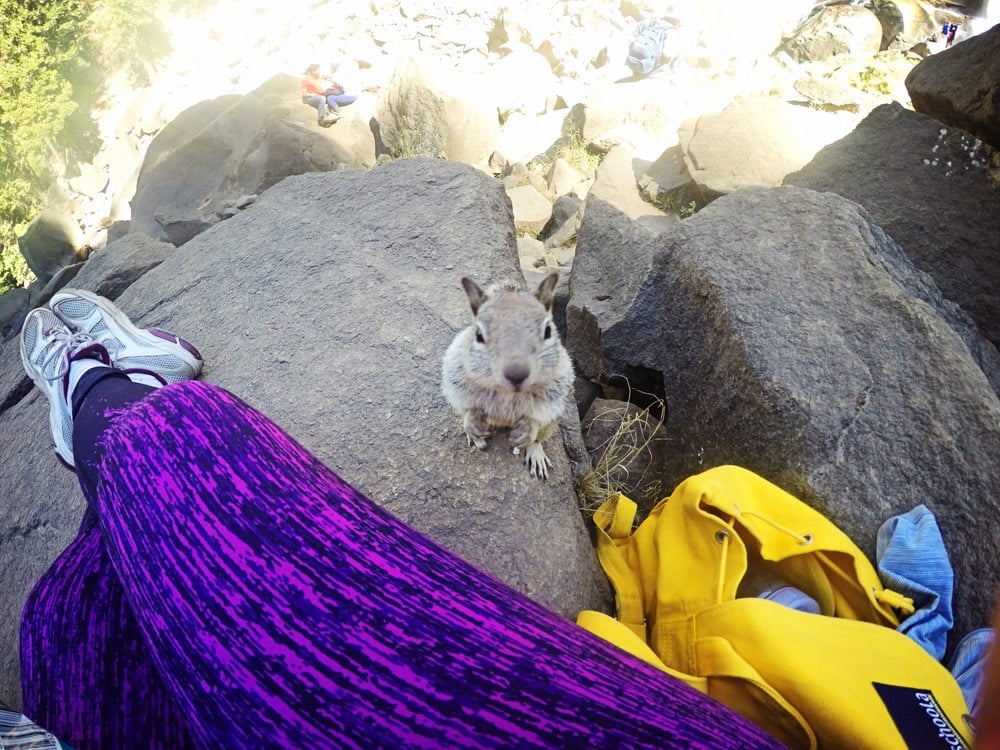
(332, 109)
(85, 672)
(97, 399)
(342, 100)
(277, 601)
(317, 102)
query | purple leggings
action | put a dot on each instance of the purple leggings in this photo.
(229, 590)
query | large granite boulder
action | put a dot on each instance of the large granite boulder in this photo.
(960, 86)
(788, 333)
(112, 269)
(336, 330)
(214, 153)
(616, 181)
(931, 188)
(835, 30)
(756, 142)
(428, 109)
(53, 239)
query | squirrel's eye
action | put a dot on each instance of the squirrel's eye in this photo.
(548, 331)
(479, 336)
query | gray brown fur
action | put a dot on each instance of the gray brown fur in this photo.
(516, 375)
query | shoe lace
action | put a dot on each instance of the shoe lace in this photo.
(59, 350)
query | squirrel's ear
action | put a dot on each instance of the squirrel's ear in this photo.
(546, 290)
(476, 295)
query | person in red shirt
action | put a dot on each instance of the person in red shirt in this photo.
(314, 93)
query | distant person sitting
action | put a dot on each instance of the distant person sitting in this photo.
(326, 96)
(314, 94)
(336, 96)
(646, 50)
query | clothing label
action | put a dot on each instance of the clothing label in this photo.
(919, 718)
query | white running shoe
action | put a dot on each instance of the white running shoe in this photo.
(139, 352)
(48, 348)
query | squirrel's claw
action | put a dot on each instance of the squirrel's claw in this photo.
(476, 441)
(537, 462)
(477, 429)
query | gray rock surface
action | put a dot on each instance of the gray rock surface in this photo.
(931, 188)
(336, 330)
(756, 142)
(961, 86)
(783, 329)
(219, 150)
(835, 30)
(666, 176)
(617, 182)
(13, 305)
(791, 336)
(607, 274)
(430, 110)
(53, 239)
(905, 23)
(112, 269)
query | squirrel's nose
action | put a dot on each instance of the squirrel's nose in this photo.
(516, 373)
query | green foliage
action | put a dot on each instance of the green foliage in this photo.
(883, 74)
(38, 52)
(583, 157)
(20, 202)
(54, 55)
(124, 35)
(14, 271)
(688, 209)
(416, 131)
(406, 144)
(874, 80)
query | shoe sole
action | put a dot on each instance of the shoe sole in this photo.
(122, 328)
(55, 422)
(29, 367)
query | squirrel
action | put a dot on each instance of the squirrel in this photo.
(509, 370)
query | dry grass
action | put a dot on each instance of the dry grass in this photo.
(582, 157)
(632, 438)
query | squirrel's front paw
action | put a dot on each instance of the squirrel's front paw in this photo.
(537, 462)
(477, 429)
(522, 434)
(476, 441)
